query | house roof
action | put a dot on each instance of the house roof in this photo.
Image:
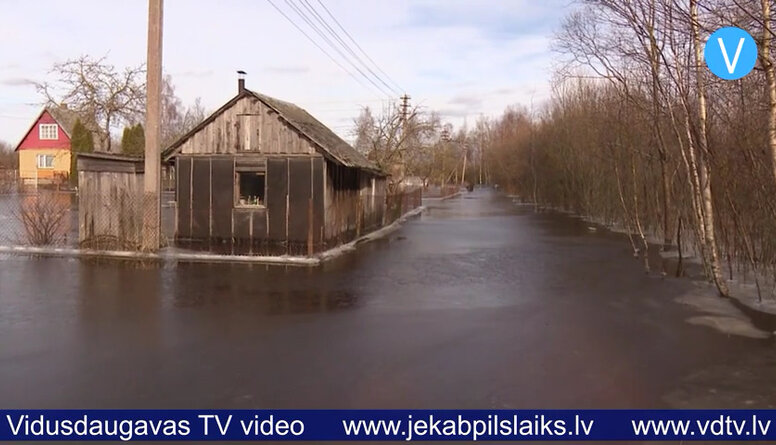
(325, 140)
(111, 157)
(109, 162)
(64, 117)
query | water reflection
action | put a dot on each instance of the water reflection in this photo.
(267, 290)
(481, 305)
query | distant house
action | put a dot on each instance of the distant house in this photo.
(44, 151)
(262, 176)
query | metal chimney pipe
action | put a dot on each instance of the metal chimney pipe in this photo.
(240, 81)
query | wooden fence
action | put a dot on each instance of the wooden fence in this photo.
(400, 203)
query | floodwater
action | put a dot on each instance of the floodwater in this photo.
(478, 303)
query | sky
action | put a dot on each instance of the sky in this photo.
(462, 59)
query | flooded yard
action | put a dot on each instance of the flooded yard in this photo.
(478, 303)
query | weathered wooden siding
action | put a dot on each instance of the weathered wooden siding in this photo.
(307, 207)
(248, 126)
(287, 223)
(110, 209)
(354, 203)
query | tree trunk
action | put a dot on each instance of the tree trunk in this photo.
(770, 78)
(654, 62)
(106, 145)
(637, 218)
(705, 173)
(627, 222)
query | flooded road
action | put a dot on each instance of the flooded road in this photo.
(478, 303)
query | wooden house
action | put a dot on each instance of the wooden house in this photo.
(263, 176)
(44, 151)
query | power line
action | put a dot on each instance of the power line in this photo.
(359, 46)
(317, 45)
(326, 102)
(306, 4)
(337, 110)
(320, 33)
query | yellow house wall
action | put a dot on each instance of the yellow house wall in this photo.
(28, 163)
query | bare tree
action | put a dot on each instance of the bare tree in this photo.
(8, 165)
(364, 131)
(7, 156)
(704, 151)
(178, 119)
(398, 144)
(766, 59)
(44, 218)
(619, 41)
(637, 135)
(97, 91)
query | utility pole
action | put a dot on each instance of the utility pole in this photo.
(405, 110)
(404, 113)
(445, 136)
(152, 174)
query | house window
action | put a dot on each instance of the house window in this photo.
(250, 189)
(45, 161)
(48, 132)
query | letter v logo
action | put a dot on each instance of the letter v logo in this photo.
(717, 53)
(730, 66)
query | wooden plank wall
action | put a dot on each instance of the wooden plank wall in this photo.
(291, 221)
(248, 126)
(351, 212)
(109, 209)
(331, 215)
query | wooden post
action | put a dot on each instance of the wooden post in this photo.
(310, 227)
(359, 216)
(152, 175)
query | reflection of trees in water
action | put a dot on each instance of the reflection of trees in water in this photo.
(308, 301)
(745, 385)
(274, 302)
(113, 298)
(270, 290)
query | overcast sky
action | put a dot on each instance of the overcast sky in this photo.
(461, 58)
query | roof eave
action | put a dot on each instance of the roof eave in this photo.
(26, 133)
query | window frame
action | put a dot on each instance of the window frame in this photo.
(237, 203)
(42, 128)
(43, 166)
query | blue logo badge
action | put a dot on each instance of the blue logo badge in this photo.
(730, 53)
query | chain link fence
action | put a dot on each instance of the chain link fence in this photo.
(38, 218)
(122, 219)
(401, 203)
(46, 217)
